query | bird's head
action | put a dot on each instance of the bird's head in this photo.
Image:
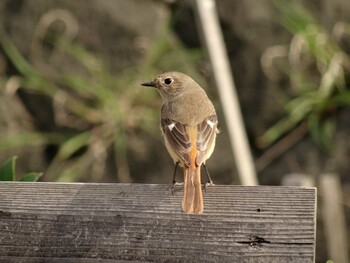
(172, 84)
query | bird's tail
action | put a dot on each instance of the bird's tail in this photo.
(192, 200)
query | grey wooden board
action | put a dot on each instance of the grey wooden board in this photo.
(61, 222)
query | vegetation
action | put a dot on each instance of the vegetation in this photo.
(98, 107)
(8, 172)
(317, 70)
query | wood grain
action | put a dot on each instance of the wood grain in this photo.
(58, 222)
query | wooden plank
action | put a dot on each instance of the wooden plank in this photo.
(60, 222)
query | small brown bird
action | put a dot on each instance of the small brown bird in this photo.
(189, 124)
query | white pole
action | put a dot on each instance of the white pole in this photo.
(215, 45)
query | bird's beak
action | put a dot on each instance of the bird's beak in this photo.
(149, 84)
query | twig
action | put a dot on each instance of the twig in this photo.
(280, 147)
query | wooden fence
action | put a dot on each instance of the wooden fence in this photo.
(79, 222)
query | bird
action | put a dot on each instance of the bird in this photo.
(189, 123)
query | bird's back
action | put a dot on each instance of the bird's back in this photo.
(193, 109)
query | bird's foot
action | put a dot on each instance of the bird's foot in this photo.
(208, 184)
(173, 185)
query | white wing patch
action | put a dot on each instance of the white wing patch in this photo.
(171, 126)
(211, 124)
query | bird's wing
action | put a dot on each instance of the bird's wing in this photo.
(206, 135)
(178, 137)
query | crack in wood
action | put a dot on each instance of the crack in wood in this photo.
(255, 241)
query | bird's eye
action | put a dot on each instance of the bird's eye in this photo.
(168, 81)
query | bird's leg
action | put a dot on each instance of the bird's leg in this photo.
(210, 181)
(174, 183)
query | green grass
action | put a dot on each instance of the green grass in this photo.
(8, 172)
(100, 106)
(317, 71)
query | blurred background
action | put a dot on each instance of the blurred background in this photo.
(71, 104)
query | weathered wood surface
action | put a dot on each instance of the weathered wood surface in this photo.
(57, 222)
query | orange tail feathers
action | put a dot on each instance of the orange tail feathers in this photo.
(192, 200)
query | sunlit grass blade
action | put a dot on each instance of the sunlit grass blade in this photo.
(297, 109)
(7, 170)
(29, 139)
(32, 78)
(73, 144)
(30, 177)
